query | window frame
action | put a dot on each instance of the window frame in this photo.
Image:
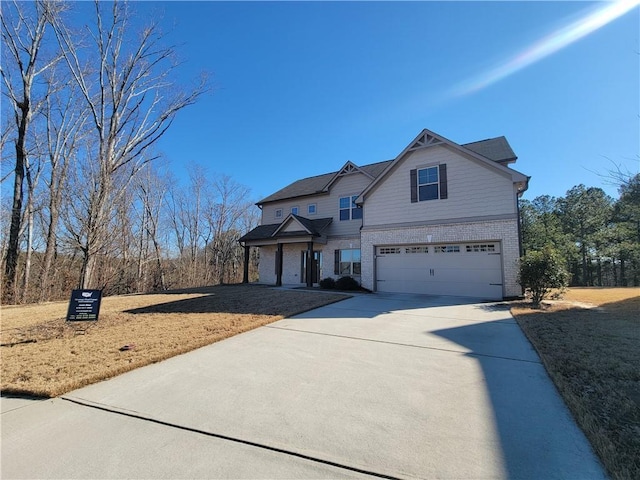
(310, 206)
(428, 183)
(442, 185)
(350, 209)
(278, 213)
(296, 208)
(348, 259)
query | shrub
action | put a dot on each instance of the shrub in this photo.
(328, 283)
(347, 283)
(540, 272)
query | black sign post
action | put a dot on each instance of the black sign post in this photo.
(84, 305)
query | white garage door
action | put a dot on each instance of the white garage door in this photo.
(466, 269)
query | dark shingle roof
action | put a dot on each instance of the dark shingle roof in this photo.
(263, 232)
(496, 149)
(260, 232)
(315, 226)
(311, 185)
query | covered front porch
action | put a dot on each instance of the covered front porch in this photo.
(291, 251)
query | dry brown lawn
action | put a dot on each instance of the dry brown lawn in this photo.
(589, 343)
(43, 355)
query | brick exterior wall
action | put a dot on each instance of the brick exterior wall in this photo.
(505, 231)
(328, 252)
(267, 265)
(291, 260)
(290, 263)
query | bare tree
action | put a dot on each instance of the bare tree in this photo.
(224, 214)
(64, 120)
(186, 217)
(33, 171)
(22, 40)
(132, 101)
(152, 191)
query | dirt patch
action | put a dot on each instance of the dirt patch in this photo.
(43, 355)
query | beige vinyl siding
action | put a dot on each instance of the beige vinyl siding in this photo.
(474, 190)
(327, 205)
(293, 226)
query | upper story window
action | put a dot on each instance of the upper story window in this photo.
(279, 213)
(311, 209)
(428, 183)
(348, 209)
(294, 210)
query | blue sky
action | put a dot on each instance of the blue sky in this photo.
(302, 87)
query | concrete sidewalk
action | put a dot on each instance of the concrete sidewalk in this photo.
(391, 386)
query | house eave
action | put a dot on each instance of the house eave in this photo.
(286, 240)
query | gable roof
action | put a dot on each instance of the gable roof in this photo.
(309, 227)
(349, 168)
(427, 138)
(495, 150)
(317, 184)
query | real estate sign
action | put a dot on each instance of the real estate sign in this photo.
(84, 305)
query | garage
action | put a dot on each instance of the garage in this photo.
(463, 269)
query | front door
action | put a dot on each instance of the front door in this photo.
(316, 272)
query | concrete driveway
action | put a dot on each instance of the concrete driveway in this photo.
(387, 386)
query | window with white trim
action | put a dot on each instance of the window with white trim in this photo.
(428, 184)
(348, 208)
(311, 209)
(294, 210)
(279, 213)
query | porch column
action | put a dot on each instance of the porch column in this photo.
(309, 272)
(245, 275)
(279, 266)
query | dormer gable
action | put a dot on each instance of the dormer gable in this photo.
(295, 224)
(349, 168)
(292, 223)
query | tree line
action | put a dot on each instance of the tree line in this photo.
(85, 203)
(596, 237)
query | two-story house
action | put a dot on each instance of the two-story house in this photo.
(441, 218)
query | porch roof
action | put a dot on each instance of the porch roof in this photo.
(271, 232)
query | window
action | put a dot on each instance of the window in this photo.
(311, 209)
(347, 262)
(348, 209)
(279, 213)
(447, 249)
(388, 250)
(428, 184)
(294, 210)
(416, 250)
(481, 247)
